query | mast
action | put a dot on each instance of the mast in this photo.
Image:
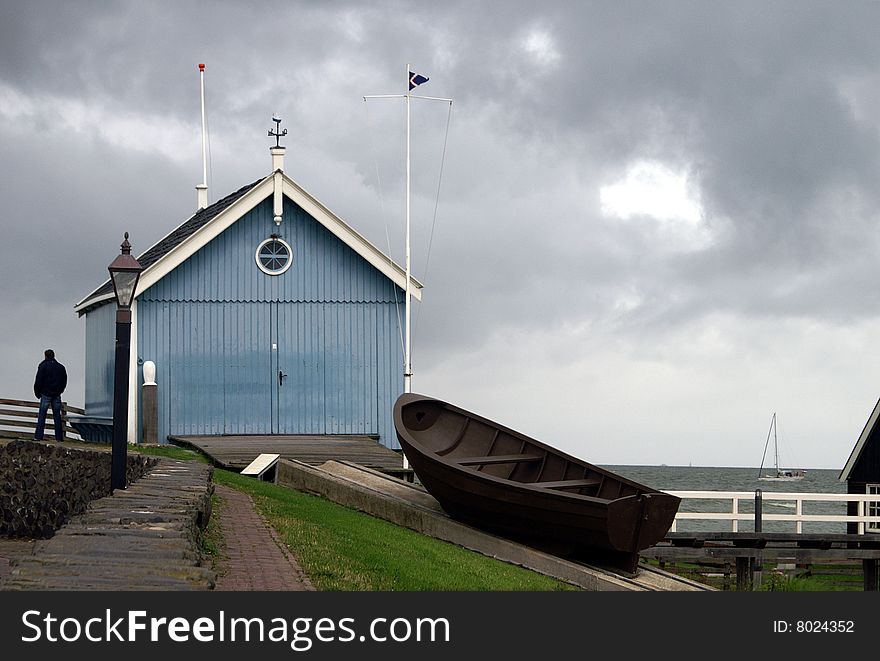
(412, 81)
(204, 150)
(202, 188)
(407, 360)
(775, 446)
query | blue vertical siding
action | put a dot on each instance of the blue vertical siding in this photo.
(324, 268)
(248, 368)
(301, 354)
(154, 330)
(219, 330)
(100, 356)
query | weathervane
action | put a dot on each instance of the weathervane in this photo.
(277, 133)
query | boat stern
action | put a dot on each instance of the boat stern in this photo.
(640, 521)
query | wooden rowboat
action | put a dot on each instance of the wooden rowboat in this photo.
(499, 480)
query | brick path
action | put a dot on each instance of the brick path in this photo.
(253, 558)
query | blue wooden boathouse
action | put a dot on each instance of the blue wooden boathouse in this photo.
(264, 313)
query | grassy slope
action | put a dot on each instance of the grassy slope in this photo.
(341, 549)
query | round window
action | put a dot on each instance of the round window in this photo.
(274, 256)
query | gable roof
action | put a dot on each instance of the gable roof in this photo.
(207, 223)
(860, 444)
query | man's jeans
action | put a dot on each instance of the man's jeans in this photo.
(45, 402)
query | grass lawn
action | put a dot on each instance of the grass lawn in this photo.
(342, 549)
(820, 578)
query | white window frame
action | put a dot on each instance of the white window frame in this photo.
(260, 264)
(872, 508)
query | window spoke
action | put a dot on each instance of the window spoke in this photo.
(274, 256)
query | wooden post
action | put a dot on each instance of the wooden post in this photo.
(150, 405)
(757, 570)
(871, 574)
(758, 513)
(743, 573)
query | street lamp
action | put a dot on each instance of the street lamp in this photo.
(124, 273)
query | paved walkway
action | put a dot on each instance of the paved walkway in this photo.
(253, 558)
(13, 548)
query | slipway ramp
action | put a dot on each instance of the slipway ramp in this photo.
(409, 505)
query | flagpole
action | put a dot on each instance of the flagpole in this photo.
(407, 351)
(407, 367)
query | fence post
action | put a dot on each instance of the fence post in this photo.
(871, 574)
(758, 513)
(151, 405)
(744, 573)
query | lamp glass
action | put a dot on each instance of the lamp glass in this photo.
(124, 283)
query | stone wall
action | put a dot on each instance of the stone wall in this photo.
(43, 485)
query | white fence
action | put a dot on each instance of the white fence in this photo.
(866, 523)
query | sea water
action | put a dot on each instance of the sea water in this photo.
(700, 478)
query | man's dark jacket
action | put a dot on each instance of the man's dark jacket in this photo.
(51, 378)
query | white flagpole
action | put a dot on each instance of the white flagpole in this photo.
(204, 152)
(407, 367)
(407, 353)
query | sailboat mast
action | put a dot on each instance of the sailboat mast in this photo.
(775, 445)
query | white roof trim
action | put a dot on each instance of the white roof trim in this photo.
(860, 444)
(226, 218)
(350, 237)
(89, 301)
(110, 296)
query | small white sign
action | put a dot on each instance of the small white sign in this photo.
(261, 464)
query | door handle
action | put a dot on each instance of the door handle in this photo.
(281, 376)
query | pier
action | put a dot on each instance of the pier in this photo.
(750, 552)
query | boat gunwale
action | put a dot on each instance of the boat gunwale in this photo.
(529, 487)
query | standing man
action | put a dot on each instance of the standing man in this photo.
(50, 383)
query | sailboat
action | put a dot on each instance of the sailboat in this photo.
(782, 475)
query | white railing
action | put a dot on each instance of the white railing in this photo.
(734, 515)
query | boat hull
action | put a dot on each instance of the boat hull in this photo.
(511, 499)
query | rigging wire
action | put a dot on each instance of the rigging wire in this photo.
(384, 219)
(434, 219)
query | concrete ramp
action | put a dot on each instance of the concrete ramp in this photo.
(409, 505)
(236, 452)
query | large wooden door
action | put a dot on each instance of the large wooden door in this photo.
(327, 368)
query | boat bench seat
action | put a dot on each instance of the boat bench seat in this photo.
(497, 459)
(565, 484)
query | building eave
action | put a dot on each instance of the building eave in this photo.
(345, 233)
(90, 303)
(860, 444)
(219, 223)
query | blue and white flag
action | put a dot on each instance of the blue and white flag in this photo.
(416, 80)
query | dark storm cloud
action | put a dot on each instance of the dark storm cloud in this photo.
(770, 108)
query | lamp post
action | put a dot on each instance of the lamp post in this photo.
(124, 273)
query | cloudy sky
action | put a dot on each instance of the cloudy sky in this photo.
(657, 222)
